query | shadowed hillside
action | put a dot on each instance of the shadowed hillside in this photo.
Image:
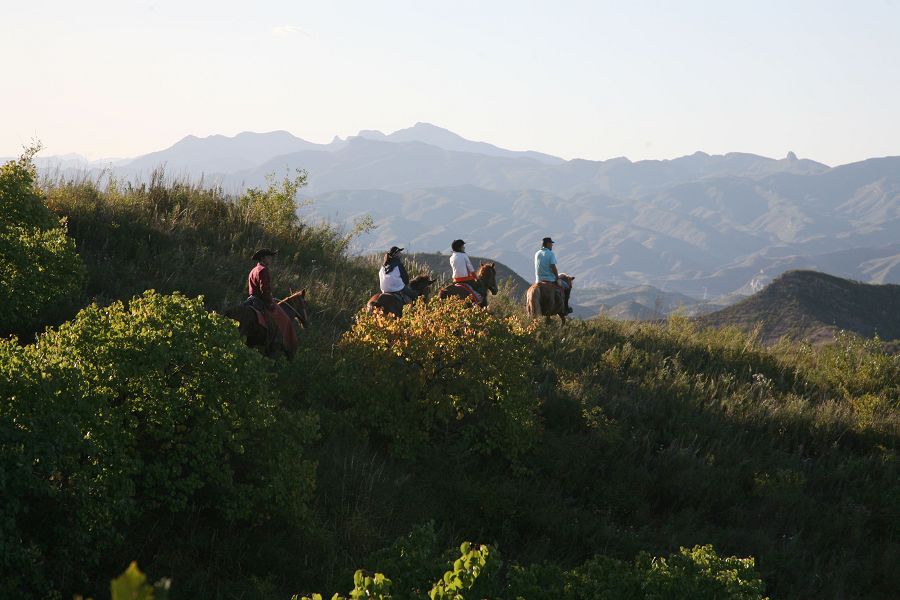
(812, 306)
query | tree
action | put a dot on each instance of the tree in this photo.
(39, 266)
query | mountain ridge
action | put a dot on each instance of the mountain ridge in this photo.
(703, 225)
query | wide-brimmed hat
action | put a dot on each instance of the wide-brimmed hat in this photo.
(547, 240)
(264, 252)
(457, 244)
(395, 250)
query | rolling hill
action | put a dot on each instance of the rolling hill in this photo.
(812, 307)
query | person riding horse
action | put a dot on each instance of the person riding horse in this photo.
(545, 271)
(393, 278)
(397, 290)
(463, 271)
(259, 283)
(468, 283)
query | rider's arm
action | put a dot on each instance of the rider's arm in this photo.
(555, 272)
(403, 274)
(469, 265)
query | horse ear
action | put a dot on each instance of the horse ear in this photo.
(492, 265)
(303, 293)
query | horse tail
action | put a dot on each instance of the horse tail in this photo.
(372, 304)
(533, 301)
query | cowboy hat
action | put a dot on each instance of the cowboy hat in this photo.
(263, 252)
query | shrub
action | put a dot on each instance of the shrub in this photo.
(38, 263)
(699, 574)
(156, 407)
(443, 366)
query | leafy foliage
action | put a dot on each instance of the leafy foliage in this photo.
(440, 365)
(463, 575)
(39, 266)
(131, 411)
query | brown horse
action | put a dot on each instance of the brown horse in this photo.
(257, 336)
(546, 299)
(485, 280)
(390, 304)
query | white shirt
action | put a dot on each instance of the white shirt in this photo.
(390, 282)
(461, 265)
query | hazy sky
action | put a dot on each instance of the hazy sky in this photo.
(576, 79)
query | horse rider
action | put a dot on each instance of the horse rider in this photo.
(463, 271)
(393, 278)
(259, 283)
(545, 270)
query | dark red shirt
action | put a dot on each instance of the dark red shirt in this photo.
(260, 283)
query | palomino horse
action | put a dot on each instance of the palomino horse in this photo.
(485, 280)
(257, 336)
(546, 299)
(390, 304)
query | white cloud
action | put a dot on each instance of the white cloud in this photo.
(285, 30)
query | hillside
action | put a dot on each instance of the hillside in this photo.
(812, 306)
(587, 455)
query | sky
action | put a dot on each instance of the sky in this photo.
(591, 80)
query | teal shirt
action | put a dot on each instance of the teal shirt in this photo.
(543, 259)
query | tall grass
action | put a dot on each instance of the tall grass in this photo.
(170, 234)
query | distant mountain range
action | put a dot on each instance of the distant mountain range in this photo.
(812, 306)
(706, 226)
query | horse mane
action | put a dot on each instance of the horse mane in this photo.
(422, 277)
(485, 266)
(292, 296)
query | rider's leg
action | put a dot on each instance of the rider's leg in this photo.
(409, 293)
(566, 290)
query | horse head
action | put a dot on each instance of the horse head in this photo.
(422, 285)
(297, 307)
(567, 278)
(487, 274)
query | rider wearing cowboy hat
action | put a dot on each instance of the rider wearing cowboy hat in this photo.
(260, 280)
(545, 270)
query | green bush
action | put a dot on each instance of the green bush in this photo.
(156, 407)
(39, 267)
(441, 367)
(699, 574)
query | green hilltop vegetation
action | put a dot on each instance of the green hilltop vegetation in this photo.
(453, 453)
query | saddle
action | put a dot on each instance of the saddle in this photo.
(403, 298)
(474, 296)
(274, 333)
